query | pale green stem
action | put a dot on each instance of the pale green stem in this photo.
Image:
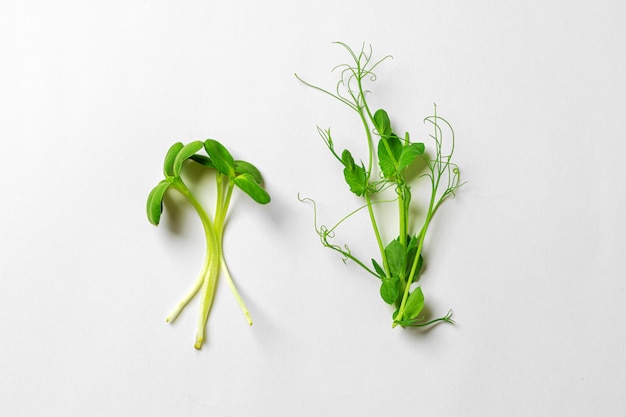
(208, 293)
(198, 283)
(223, 202)
(211, 270)
(194, 290)
(233, 289)
(220, 224)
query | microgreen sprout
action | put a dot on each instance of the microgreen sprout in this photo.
(401, 258)
(229, 174)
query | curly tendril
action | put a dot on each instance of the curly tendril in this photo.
(441, 169)
(325, 233)
(419, 322)
(348, 89)
(400, 260)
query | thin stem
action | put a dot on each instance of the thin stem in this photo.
(368, 200)
(222, 208)
(381, 247)
(208, 294)
(223, 203)
(233, 289)
(403, 217)
(199, 281)
(211, 271)
(343, 100)
(420, 245)
(347, 216)
(438, 168)
(192, 293)
(325, 233)
(370, 144)
(405, 296)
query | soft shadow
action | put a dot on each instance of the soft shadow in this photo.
(176, 212)
(199, 180)
(417, 168)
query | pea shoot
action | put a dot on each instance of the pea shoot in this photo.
(230, 173)
(398, 159)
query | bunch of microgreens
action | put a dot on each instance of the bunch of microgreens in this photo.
(401, 258)
(229, 173)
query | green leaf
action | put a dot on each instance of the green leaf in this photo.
(409, 153)
(396, 258)
(243, 167)
(168, 165)
(354, 175)
(414, 304)
(347, 159)
(418, 268)
(389, 150)
(411, 251)
(356, 179)
(154, 205)
(247, 183)
(390, 289)
(413, 242)
(379, 270)
(382, 123)
(184, 154)
(222, 159)
(202, 160)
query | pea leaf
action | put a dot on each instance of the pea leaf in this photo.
(388, 158)
(247, 183)
(243, 167)
(418, 268)
(222, 159)
(411, 251)
(396, 258)
(382, 123)
(390, 289)
(379, 270)
(168, 164)
(356, 179)
(409, 153)
(413, 242)
(354, 175)
(414, 304)
(184, 154)
(347, 159)
(154, 206)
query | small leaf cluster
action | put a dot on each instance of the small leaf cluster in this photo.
(401, 260)
(243, 174)
(230, 173)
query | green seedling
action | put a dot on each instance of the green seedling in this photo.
(398, 159)
(230, 173)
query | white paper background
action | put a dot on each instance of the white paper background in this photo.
(529, 255)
